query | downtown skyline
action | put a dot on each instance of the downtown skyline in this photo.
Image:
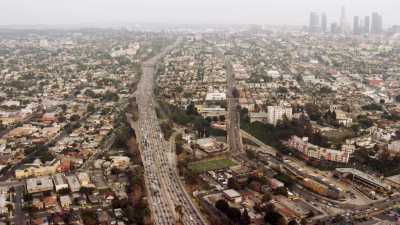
(46, 12)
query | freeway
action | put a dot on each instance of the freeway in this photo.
(19, 217)
(234, 137)
(233, 125)
(164, 188)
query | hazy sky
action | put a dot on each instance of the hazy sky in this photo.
(273, 12)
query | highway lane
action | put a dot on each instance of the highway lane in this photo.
(164, 188)
(233, 124)
(234, 137)
(19, 216)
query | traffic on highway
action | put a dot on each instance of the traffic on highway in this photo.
(165, 190)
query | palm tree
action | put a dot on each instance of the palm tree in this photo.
(179, 211)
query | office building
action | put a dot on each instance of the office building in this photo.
(73, 183)
(344, 26)
(356, 25)
(324, 23)
(314, 22)
(276, 113)
(367, 24)
(335, 29)
(377, 23)
(40, 184)
(59, 182)
(317, 152)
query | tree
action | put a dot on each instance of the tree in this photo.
(110, 96)
(325, 90)
(222, 205)
(63, 107)
(372, 107)
(90, 93)
(244, 115)
(267, 197)
(398, 98)
(272, 217)
(245, 219)
(235, 93)
(364, 121)
(339, 219)
(91, 108)
(234, 214)
(282, 191)
(282, 90)
(178, 89)
(275, 218)
(75, 117)
(303, 221)
(313, 111)
(250, 154)
(179, 211)
(167, 129)
(2, 126)
(234, 184)
(89, 217)
(178, 148)
(191, 109)
(86, 190)
(201, 125)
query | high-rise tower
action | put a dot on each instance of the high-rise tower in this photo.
(344, 26)
(356, 25)
(314, 22)
(367, 24)
(324, 23)
(377, 23)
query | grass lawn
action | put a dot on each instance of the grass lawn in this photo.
(212, 164)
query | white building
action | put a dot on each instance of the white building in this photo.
(215, 96)
(73, 183)
(40, 184)
(120, 162)
(84, 179)
(59, 182)
(343, 119)
(65, 201)
(276, 113)
(313, 151)
(240, 72)
(258, 116)
(273, 74)
(233, 196)
(309, 79)
(212, 111)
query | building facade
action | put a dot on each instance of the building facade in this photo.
(276, 113)
(313, 151)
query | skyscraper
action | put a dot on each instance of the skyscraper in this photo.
(335, 29)
(314, 22)
(343, 21)
(377, 23)
(356, 25)
(324, 23)
(366, 24)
